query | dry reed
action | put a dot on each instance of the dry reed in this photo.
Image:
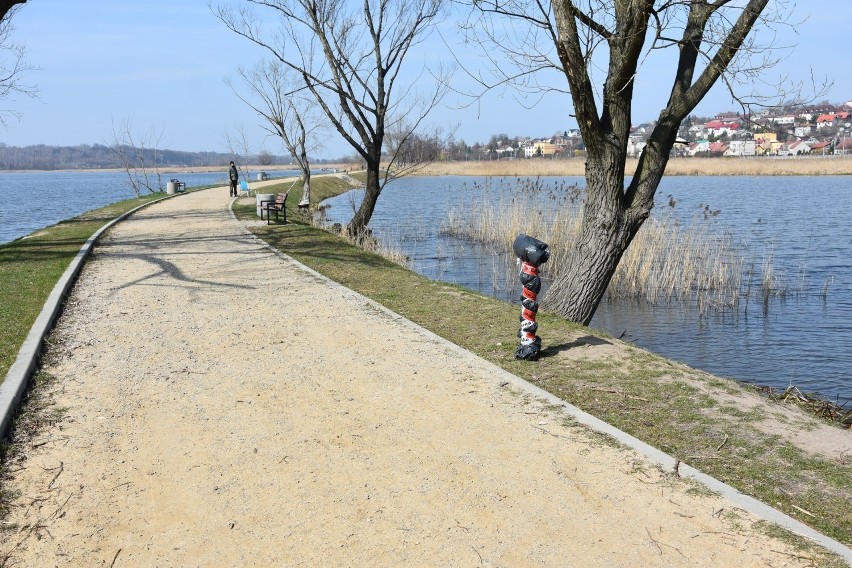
(666, 261)
(774, 166)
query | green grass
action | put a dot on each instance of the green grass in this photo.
(31, 266)
(667, 405)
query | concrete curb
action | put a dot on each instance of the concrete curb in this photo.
(660, 458)
(17, 379)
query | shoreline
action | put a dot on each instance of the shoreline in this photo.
(690, 166)
(774, 166)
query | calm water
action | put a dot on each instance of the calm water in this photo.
(803, 222)
(32, 200)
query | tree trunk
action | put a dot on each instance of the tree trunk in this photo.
(607, 228)
(306, 189)
(357, 227)
(305, 166)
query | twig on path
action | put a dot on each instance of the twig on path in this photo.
(62, 506)
(478, 554)
(59, 439)
(676, 549)
(58, 473)
(114, 558)
(654, 541)
(792, 555)
(551, 433)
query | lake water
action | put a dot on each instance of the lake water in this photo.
(804, 339)
(32, 200)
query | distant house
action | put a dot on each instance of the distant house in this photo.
(804, 130)
(699, 147)
(505, 152)
(544, 149)
(767, 137)
(718, 148)
(844, 146)
(825, 120)
(719, 128)
(741, 148)
(820, 147)
(635, 145)
(781, 119)
(796, 148)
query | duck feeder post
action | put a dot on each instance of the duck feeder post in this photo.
(531, 253)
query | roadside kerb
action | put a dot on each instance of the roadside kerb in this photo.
(15, 383)
(668, 463)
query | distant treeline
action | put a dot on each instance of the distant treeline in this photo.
(43, 157)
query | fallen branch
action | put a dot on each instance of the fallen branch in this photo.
(114, 558)
(58, 473)
(803, 511)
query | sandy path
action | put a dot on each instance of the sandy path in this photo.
(227, 408)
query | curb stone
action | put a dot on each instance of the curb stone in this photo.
(17, 378)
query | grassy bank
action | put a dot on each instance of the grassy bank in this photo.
(31, 266)
(725, 429)
(799, 166)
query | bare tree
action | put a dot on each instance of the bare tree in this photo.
(350, 56)
(236, 141)
(12, 63)
(139, 157)
(279, 97)
(265, 158)
(598, 46)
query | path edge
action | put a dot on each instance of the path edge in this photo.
(18, 377)
(654, 455)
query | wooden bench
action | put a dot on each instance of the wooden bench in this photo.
(279, 205)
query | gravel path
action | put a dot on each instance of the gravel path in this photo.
(226, 407)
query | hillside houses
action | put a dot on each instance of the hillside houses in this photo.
(822, 129)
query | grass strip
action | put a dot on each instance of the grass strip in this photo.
(689, 414)
(31, 266)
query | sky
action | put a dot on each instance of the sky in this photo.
(161, 65)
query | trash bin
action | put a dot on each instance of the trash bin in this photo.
(171, 187)
(263, 197)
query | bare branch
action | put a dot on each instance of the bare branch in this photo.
(137, 155)
(350, 57)
(12, 62)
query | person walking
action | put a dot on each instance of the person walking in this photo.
(234, 176)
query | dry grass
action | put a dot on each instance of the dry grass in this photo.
(666, 260)
(799, 166)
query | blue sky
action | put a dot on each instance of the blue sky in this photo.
(161, 63)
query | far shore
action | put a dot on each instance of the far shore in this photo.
(533, 167)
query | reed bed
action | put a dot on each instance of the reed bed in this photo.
(666, 261)
(771, 166)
